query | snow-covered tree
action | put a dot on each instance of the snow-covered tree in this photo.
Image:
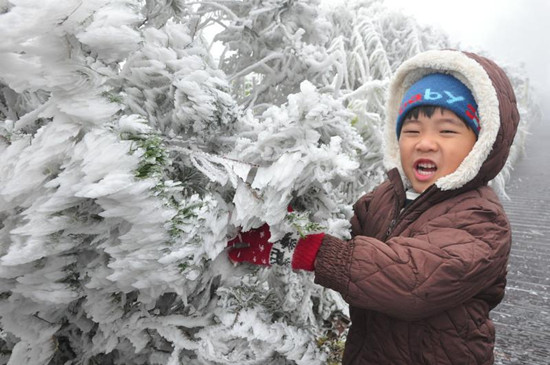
(130, 154)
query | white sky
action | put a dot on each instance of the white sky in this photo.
(509, 31)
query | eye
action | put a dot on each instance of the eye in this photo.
(449, 131)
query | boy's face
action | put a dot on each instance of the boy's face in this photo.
(433, 147)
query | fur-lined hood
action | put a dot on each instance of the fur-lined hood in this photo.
(497, 111)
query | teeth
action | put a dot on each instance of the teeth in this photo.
(426, 165)
(426, 168)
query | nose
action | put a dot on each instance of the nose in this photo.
(427, 143)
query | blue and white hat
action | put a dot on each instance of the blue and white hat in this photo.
(441, 90)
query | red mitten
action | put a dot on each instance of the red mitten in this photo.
(305, 252)
(251, 246)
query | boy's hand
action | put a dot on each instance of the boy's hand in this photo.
(253, 247)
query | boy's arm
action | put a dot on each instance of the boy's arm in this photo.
(254, 247)
(411, 278)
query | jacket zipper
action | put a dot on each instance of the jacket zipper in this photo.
(390, 228)
(393, 222)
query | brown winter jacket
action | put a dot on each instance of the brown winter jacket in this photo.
(421, 280)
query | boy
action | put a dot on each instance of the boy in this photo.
(427, 261)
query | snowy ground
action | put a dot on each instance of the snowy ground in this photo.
(523, 319)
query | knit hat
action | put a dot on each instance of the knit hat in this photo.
(442, 90)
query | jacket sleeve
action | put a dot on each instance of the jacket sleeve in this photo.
(429, 271)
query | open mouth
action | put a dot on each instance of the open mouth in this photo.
(424, 169)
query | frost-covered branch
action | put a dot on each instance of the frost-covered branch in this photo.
(261, 63)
